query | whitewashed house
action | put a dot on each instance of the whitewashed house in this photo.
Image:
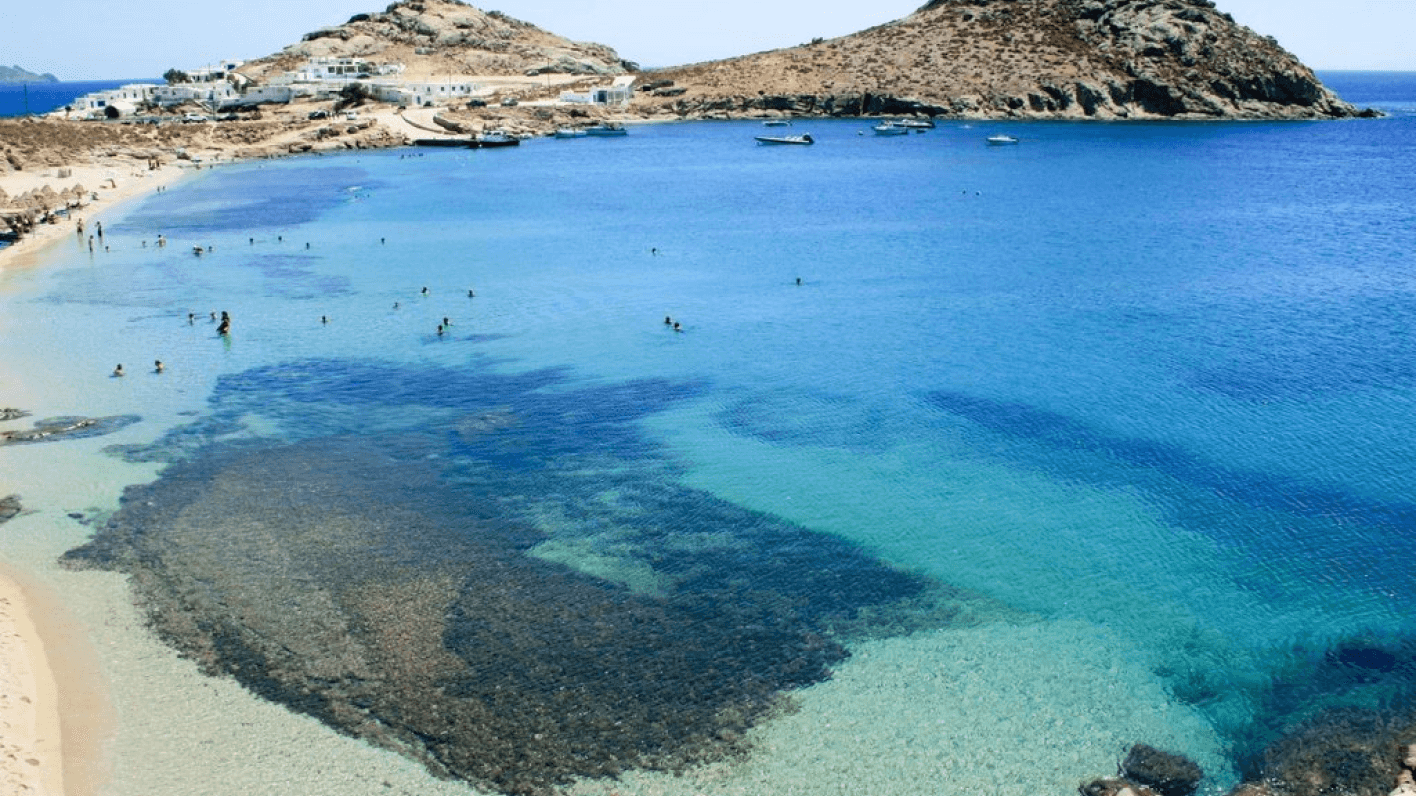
(618, 93)
(126, 99)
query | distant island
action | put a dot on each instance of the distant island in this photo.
(14, 74)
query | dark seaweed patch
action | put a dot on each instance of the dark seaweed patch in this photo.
(394, 582)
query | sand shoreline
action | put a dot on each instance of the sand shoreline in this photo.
(113, 181)
(54, 713)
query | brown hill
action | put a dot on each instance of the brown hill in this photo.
(438, 38)
(1104, 59)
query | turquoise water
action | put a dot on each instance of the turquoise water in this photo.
(1142, 390)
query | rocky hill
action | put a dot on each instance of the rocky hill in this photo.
(438, 38)
(1101, 59)
(14, 74)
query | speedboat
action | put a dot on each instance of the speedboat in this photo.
(1000, 138)
(607, 129)
(776, 123)
(890, 128)
(915, 124)
(804, 138)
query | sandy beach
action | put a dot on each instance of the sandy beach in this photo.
(31, 759)
(112, 180)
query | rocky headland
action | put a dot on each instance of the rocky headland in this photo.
(15, 74)
(1044, 59)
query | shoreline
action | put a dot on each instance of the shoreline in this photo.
(118, 181)
(54, 710)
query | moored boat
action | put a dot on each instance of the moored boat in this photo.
(569, 132)
(607, 129)
(915, 124)
(1001, 138)
(776, 123)
(496, 138)
(804, 138)
(890, 128)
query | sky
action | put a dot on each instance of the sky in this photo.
(108, 40)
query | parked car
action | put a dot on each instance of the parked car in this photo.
(319, 114)
(194, 117)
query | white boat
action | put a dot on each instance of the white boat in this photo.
(607, 129)
(496, 138)
(915, 124)
(570, 132)
(1000, 138)
(804, 138)
(776, 123)
(890, 128)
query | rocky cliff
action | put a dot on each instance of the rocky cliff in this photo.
(1098, 59)
(438, 38)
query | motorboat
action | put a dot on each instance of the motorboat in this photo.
(496, 138)
(1001, 138)
(776, 123)
(890, 128)
(569, 132)
(915, 124)
(607, 129)
(804, 138)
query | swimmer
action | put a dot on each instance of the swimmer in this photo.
(157, 366)
(446, 322)
(191, 318)
(381, 241)
(224, 328)
(798, 280)
(425, 290)
(118, 371)
(470, 294)
(668, 321)
(324, 319)
(440, 330)
(677, 328)
(395, 305)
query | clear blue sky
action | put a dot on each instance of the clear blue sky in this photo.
(104, 39)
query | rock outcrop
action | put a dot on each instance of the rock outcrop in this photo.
(1061, 59)
(446, 37)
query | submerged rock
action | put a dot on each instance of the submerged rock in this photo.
(1169, 774)
(59, 428)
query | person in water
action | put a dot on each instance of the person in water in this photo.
(157, 366)
(118, 371)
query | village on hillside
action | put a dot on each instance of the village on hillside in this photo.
(224, 89)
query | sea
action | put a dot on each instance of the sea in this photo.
(675, 464)
(25, 99)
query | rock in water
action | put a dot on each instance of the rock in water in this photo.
(1169, 774)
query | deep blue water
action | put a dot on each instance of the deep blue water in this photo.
(1156, 378)
(17, 99)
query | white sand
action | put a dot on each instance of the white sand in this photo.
(114, 180)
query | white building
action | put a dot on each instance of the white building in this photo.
(125, 98)
(618, 93)
(343, 70)
(420, 94)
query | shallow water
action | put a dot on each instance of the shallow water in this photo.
(1123, 413)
